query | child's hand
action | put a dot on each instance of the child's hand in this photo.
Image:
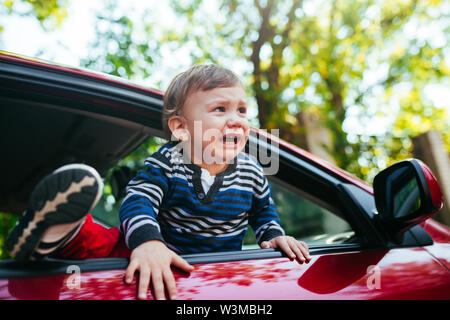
(291, 246)
(153, 260)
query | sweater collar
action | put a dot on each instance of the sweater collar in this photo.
(178, 153)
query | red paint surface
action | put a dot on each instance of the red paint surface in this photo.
(439, 232)
(402, 274)
(435, 190)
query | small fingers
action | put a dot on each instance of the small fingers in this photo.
(284, 245)
(305, 250)
(301, 250)
(144, 280)
(130, 271)
(170, 284)
(158, 285)
(179, 262)
(265, 245)
(298, 252)
(304, 245)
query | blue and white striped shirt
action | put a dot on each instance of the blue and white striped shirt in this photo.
(167, 202)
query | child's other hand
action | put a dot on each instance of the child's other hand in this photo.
(291, 246)
(153, 260)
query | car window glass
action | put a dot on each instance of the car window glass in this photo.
(305, 220)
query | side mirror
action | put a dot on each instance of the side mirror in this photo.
(406, 194)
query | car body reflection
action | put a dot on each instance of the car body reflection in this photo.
(406, 272)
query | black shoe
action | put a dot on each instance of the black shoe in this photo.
(63, 197)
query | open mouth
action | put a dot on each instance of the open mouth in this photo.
(232, 139)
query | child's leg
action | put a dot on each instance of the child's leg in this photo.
(95, 241)
(56, 211)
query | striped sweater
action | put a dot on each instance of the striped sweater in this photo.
(167, 202)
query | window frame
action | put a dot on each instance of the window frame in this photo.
(102, 98)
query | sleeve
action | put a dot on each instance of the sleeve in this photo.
(263, 216)
(140, 207)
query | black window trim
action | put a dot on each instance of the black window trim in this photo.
(10, 269)
(79, 92)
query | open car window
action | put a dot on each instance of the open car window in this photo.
(300, 217)
(306, 220)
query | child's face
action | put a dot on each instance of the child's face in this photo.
(215, 125)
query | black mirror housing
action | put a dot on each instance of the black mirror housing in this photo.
(406, 194)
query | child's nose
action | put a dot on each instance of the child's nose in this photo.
(237, 121)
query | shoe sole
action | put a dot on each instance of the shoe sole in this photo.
(64, 196)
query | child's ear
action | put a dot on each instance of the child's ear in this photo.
(177, 126)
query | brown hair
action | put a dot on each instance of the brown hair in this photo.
(202, 77)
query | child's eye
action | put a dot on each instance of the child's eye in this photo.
(219, 109)
(242, 110)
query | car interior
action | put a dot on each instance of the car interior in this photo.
(41, 137)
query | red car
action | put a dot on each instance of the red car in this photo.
(366, 242)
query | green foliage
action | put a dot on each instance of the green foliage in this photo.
(330, 58)
(49, 13)
(117, 49)
(7, 223)
(121, 50)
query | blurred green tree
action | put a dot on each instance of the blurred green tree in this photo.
(49, 13)
(117, 50)
(338, 60)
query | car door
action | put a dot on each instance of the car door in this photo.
(349, 260)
